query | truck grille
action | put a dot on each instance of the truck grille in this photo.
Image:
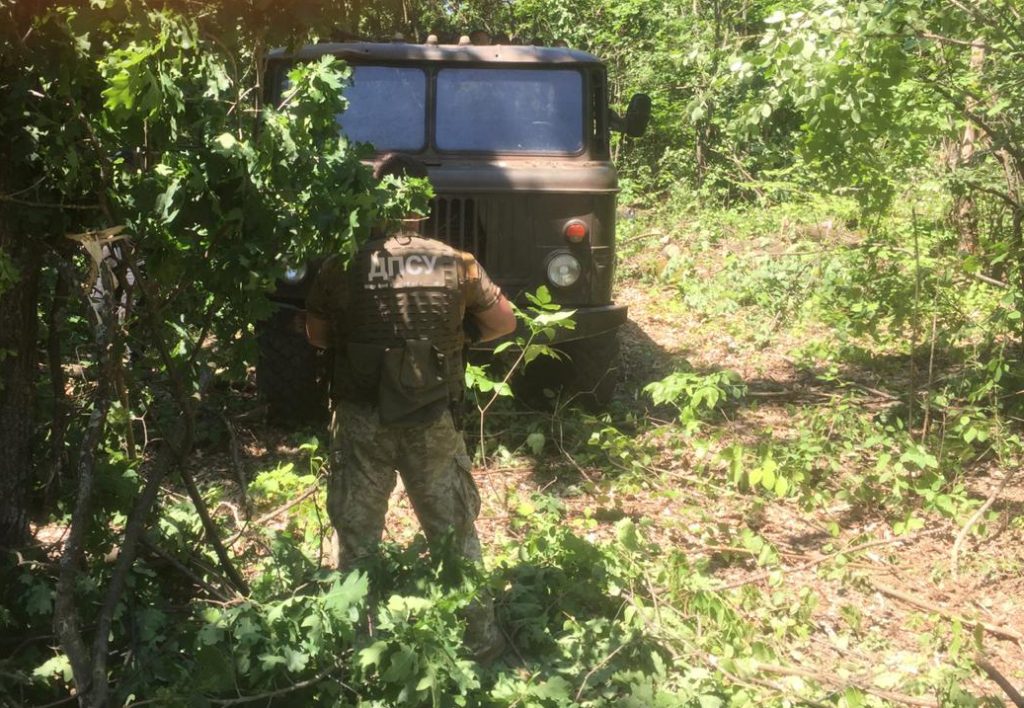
(497, 230)
(456, 221)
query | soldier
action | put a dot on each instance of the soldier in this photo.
(395, 319)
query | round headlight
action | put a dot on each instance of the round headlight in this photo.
(294, 274)
(563, 270)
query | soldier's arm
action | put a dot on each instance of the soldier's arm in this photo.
(322, 302)
(496, 321)
(486, 307)
(318, 331)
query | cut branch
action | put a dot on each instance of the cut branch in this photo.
(822, 559)
(212, 535)
(1004, 632)
(975, 517)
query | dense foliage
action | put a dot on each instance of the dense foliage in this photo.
(843, 175)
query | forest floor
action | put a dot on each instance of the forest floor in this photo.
(886, 607)
(853, 592)
(901, 604)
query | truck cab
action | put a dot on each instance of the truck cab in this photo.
(517, 144)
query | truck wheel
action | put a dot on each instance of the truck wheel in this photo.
(290, 373)
(587, 374)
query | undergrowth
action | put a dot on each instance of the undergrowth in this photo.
(893, 395)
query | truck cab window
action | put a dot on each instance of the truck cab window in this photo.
(510, 110)
(387, 107)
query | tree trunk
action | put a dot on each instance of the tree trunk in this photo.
(18, 362)
(964, 212)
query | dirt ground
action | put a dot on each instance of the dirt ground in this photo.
(898, 593)
(901, 590)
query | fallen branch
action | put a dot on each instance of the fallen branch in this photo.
(134, 529)
(989, 281)
(975, 517)
(58, 702)
(822, 559)
(1004, 632)
(641, 237)
(829, 680)
(995, 675)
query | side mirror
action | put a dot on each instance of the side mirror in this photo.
(638, 115)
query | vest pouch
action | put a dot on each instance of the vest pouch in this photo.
(364, 365)
(413, 387)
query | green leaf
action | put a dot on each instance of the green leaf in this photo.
(853, 698)
(269, 661)
(555, 688)
(541, 298)
(561, 317)
(920, 458)
(402, 666)
(226, 141)
(535, 441)
(39, 599)
(625, 532)
(372, 655)
(755, 476)
(781, 487)
(768, 478)
(296, 660)
(347, 594)
(210, 635)
(59, 664)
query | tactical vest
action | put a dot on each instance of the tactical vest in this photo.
(402, 332)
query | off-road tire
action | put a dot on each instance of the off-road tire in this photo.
(290, 373)
(586, 375)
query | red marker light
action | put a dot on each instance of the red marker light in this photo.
(575, 231)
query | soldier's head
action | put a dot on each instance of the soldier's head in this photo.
(396, 164)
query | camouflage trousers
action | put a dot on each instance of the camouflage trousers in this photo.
(436, 472)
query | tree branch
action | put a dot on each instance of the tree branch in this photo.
(282, 691)
(48, 205)
(67, 623)
(183, 568)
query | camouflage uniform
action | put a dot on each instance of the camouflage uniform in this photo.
(435, 469)
(424, 447)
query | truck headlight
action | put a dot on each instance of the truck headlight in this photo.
(563, 270)
(294, 274)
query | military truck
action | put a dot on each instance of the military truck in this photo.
(517, 143)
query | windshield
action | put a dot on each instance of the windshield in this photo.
(510, 110)
(386, 108)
